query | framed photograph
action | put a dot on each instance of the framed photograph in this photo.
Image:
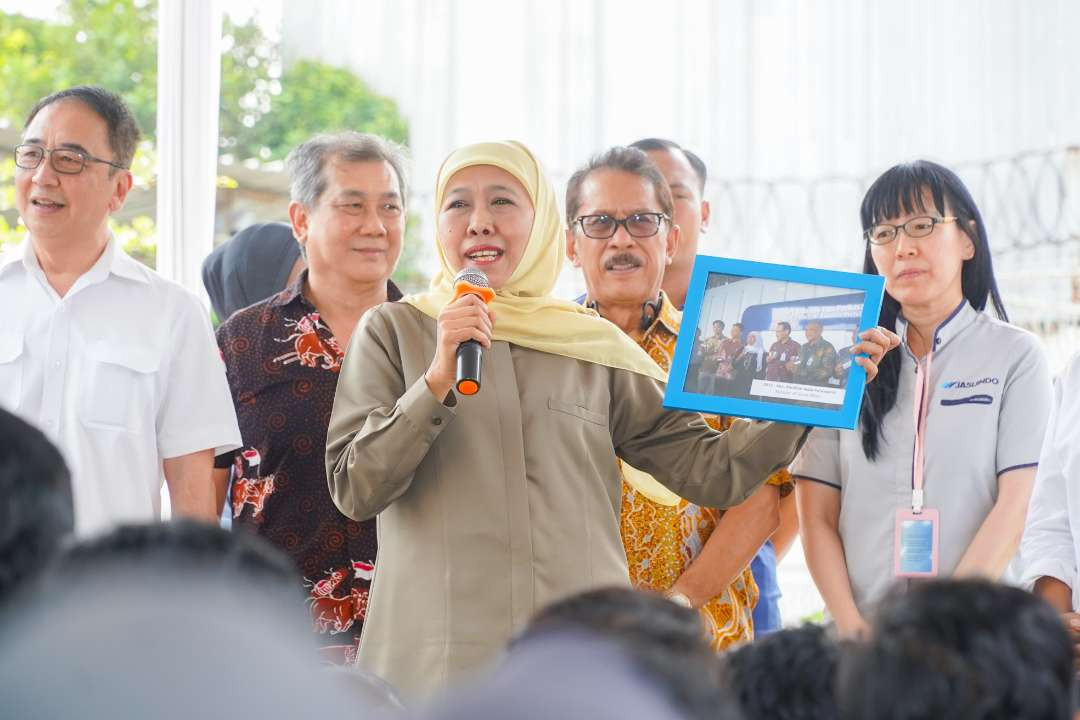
(773, 342)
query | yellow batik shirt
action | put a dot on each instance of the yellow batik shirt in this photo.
(662, 541)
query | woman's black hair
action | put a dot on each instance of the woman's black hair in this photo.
(900, 190)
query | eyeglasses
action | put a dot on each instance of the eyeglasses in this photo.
(66, 161)
(884, 233)
(639, 225)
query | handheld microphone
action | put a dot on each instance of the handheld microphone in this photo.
(470, 353)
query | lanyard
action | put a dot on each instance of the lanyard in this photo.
(921, 407)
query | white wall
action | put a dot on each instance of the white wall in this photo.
(762, 89)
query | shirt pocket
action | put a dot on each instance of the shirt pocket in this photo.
(578, 410)
(11, 371)
(120, 387)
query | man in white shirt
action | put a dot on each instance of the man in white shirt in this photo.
(115, 364)
(1050, 549)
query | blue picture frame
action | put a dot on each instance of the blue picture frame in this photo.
(847, 286)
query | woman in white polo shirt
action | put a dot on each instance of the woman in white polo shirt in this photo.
(936, 478)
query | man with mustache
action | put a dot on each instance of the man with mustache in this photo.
(114, 363)
(686, 173)
(621, 234)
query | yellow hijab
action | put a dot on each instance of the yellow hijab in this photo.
(527, 313)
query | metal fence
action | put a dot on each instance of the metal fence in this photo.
(1030, 203)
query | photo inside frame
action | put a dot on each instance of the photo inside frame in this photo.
(774, 341)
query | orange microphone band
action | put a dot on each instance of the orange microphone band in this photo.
(466, 288)
(468, 387)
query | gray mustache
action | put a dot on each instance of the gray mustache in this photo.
(622, 259)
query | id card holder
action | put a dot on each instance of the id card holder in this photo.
(915, 543)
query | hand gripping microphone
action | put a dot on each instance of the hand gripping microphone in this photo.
(470, 353)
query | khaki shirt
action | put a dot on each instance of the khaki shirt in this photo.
(492, 506)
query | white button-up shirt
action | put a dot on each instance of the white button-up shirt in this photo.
(989, 404)
(121, 373)
(1051, 543)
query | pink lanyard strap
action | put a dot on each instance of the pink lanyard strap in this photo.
(921, 408)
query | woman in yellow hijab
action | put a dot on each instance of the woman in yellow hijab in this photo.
(493, 505)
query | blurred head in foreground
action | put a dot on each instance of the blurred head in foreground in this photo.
(36, 512)
(806, 658)
(176, 620)
(664, 642)
(960, 649)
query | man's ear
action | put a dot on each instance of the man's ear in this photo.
(298, 217)
(571, 248)
(673, 237)
(123, 182)
(706, 212)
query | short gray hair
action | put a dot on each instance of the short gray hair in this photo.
(624, 159)
(307, 163)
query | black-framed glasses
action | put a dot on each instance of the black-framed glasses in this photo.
(884, 233)
(639, 225)
(66, 161)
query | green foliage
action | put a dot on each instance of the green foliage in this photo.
(250, 80)
(408, 276)
(265, 110)
(318, 98)
(112, 43)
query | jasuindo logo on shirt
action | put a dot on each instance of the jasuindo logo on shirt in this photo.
(961, 384)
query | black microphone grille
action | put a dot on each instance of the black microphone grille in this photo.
(474, 277)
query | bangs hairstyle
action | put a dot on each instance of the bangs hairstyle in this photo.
(899, 191)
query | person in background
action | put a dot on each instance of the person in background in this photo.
(283, 356)
(621, 236)
(727, 355)
(685, 174)
(817, 358)
(1050, 549)
(259, 261)
(710, 351)
(115, 364)
(968, 649)
(781, 352)
(749, 366)
(983, 392)
(663, 640)
(807, 659)
(567, 675)
(843, 362)
(36, 510)
(166, 620)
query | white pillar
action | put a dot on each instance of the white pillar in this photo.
(189, 78)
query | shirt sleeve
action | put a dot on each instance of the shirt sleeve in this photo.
(1048, 547)
(819, 459)
(1025, 406)
(196, 411)
(380, 430)
(709, 468)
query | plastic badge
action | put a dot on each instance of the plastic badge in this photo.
(915, 545)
